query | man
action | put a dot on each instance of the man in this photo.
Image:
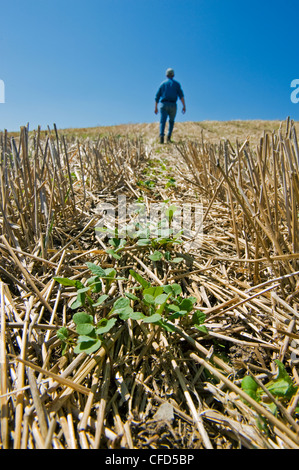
(169, 91)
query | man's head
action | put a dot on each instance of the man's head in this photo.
(170, 73)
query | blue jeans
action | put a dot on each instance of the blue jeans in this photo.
(167, 110)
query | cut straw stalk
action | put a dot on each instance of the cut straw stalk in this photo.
(89, 403)
(194, 412)
(216, 280)
(102, 405)
(58, 378)
(3, 372)
(26, 275)
(84, 370)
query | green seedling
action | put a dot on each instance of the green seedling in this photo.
(144, 232)
(146, 303)
(117, 245)
(90, 337)
(159, 255)
(171, 183)
(281, 387)
(169, 303)
(161, 238)
(63, 335)
(149, 184)
(93, 285)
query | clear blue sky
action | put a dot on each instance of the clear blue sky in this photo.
(100, 62)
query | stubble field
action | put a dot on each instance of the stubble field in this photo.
(158, 339)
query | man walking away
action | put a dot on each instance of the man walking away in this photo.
(169, 91)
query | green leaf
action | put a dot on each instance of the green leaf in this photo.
(97, 287)
(144, 242)
(152, 318)
(64, 348)
(279, 387)
(250, 386)
(282, 373)
(170, 212)
(96, 270)
(149, 299)
(82, 317)
(79, 302)
(144, 283)
(282, 386)
(100, 300)
(271, 407)
(186, 304)
(174, 289)
(63, 333)
(86, 338)
(166, 326)
(198, 317)
(248, 383)
(151, 293)
(64, 281)
(131, 296)
(156, 256)
(161, 299)
(176, 315)
(105, 325)
(83, 289)
(110, 273)
(202, 328)
(121, 303)
(137, 316)
(95, 283)
(114, 242)
(92, 280)
(154, 291)
(163, 240)
(125, 313)
(85, 328)
(113, 253)
(101, 229)
(173, 308)
(88, 347)
(117, 243)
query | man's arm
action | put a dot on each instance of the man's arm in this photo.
(184, 105)
(157, 98)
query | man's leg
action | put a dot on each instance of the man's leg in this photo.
(172, 113)
(163, 119)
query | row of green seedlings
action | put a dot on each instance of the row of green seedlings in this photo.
(159, 305)
(161, 238)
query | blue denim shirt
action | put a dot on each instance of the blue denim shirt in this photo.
(169, 91)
